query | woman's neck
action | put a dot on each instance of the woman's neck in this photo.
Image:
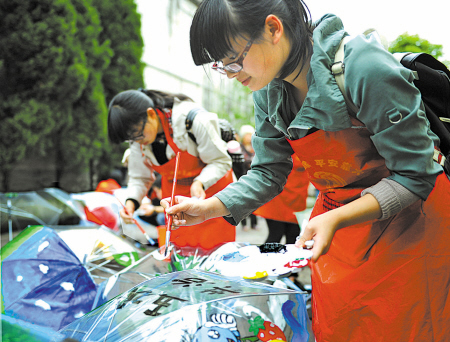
(299, 83)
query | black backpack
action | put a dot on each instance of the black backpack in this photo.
(433, 81)
(432, 78)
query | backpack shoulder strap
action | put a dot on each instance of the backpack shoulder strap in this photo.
(338, 69)
(409, 59)
(190, 121)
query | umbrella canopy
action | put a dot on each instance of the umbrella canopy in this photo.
(233, 259)
(101, 208)
(155, 264)
(101, 250)
(43, 281)
(44, 207)
(20, 331)
(195, 305)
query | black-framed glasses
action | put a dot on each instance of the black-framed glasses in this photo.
(235, 66)
(138, 135)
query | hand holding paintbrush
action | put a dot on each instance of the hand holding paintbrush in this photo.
(149, 239)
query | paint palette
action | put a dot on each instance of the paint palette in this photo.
(267, 260)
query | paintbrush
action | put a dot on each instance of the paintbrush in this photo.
(170, 217)
(149, 239)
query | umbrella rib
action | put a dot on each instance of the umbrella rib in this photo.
(144, 275)
(100, 265)
(24, 214)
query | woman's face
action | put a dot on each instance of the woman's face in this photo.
(151, 128)
(261, 65)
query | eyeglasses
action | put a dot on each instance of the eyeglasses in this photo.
(233, 67)
(138, 136)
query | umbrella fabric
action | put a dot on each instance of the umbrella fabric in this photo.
(101, 208)
(195, 305)
(108, 186)
(20, 331)
(28, 208)
(44, 207)
(73, 211)
(155, 264)
(43, 282)
(102, 251)
(98, 243)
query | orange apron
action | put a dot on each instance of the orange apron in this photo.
(291, 199)
(381, 280)
(211, 233)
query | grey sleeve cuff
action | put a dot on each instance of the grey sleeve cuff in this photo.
(391, 196)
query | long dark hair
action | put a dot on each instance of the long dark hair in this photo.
(127, 111)
(217, 23)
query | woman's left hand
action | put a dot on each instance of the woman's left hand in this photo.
(321, 229)
(197, 190)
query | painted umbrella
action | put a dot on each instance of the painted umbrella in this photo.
(195, 305)
(155, 264)
(43, 282)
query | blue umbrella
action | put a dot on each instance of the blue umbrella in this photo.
(43, 282)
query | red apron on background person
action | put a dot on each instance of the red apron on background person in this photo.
(291, 199)
(381, 280)
(211, 233)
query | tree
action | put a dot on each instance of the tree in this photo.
(58, 71)
(407, 43)
(42, 74)
(81, 140)
(121, 27)
(236, 105)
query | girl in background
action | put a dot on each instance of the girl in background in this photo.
(154, 124)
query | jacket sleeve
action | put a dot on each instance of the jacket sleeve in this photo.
(212, 150)
(390, 106)
(140, 176)
(269, 170)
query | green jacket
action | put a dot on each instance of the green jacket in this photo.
(375, 82)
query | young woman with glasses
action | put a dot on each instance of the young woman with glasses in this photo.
(154, 124)
(381, 223)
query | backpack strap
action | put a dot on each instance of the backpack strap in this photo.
(405, 58)
(409, 59)
(338, 69)
(190, 121)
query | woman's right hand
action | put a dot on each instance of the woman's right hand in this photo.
(188, 211)
(127, 213)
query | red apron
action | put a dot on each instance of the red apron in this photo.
(381, 280)
(291, 199)
(211, 233)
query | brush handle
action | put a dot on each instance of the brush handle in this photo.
(172, 199)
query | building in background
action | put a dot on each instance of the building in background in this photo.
(169, 65)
